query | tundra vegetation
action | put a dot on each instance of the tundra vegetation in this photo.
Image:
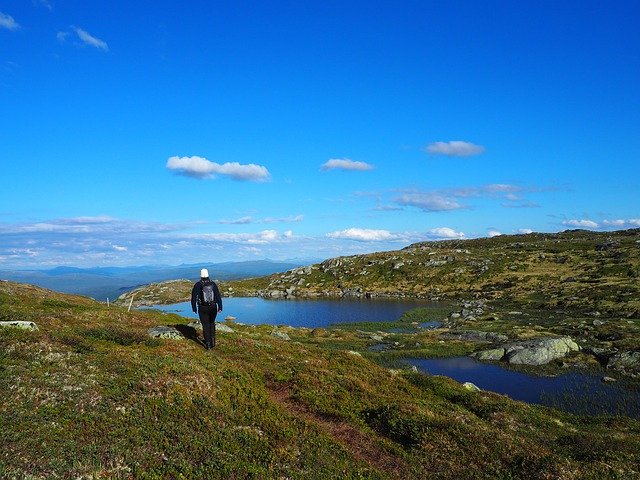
(90, 394)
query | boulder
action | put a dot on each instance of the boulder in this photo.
(280, 334)
(471, 387)
(221, 327)
(474, 336)
(627, 361)
(538, 351)
(165, 332)
(493, 354)
(25, 325)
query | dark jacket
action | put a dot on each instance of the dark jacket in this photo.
(197, 297)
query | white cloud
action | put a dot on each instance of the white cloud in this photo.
(119, 248)
(90, 40)
(581, 223)
(363, 235)
(46, 4)
(454, 148)
(614, 223)
(265, 236)
(289, 219)
(525, 231)
(494, 233)
(635, 221)
(199, 167)
(239, 221)
(346, 164)
(428, 201)
(248, 219)
(445, 232)
(7, 21)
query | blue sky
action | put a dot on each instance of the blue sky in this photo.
(182, 132)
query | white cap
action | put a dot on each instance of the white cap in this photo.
(204, 273)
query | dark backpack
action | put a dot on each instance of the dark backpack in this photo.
(208, 293)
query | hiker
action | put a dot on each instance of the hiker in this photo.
(206, 296)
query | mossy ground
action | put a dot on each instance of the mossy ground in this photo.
(89, 395)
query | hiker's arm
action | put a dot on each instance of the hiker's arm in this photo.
(194, 297)
(218, 296)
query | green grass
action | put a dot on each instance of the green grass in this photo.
(88, 395)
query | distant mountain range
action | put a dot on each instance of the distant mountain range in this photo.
(109, 282)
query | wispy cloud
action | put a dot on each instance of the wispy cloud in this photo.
(46, 4)
(248, 219)
(263, 237)
(88, 39)
(346, 164)
(7, 21)
(238, 221)
(429, 201)
(455, 148)
(199, 167)
(581, 223)
(445, 232)
(363, 235)
(525, 231)
(494, 233)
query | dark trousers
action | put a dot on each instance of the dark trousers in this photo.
(207, 314)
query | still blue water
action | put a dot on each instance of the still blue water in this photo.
(305, 313)
(573, 392)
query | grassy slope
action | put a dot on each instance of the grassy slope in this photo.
(577, 270)
(90, 396)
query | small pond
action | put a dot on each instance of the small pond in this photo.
(306, 313)
(574, 392)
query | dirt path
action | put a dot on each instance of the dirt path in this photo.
(361, 446)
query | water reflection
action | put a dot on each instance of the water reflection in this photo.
(307, 313)
(573, 392)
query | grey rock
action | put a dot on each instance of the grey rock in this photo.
(221, 327)
(165, 332)
(471, 387)
(493, 354)
(25, 325)
(539, 351)
(530, 352)
(627, 361)
(280, 334)
(474, 336)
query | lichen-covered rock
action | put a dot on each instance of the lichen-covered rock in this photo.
(471, 387)
(627, 361)
(280, 334)
(221, 327)
(165, 332)
(538, 351)
(25, 325)
(474, 336)
(493, 354)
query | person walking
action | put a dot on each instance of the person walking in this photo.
(206, 297)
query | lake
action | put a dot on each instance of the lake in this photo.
(574, 392)
(309, 313)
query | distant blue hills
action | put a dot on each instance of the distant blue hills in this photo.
(110, 282)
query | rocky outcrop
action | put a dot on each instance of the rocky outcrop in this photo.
(20, 324)
(538, 351)
(474, 336)
(280, 334)
(626, 362)
(165, 332)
